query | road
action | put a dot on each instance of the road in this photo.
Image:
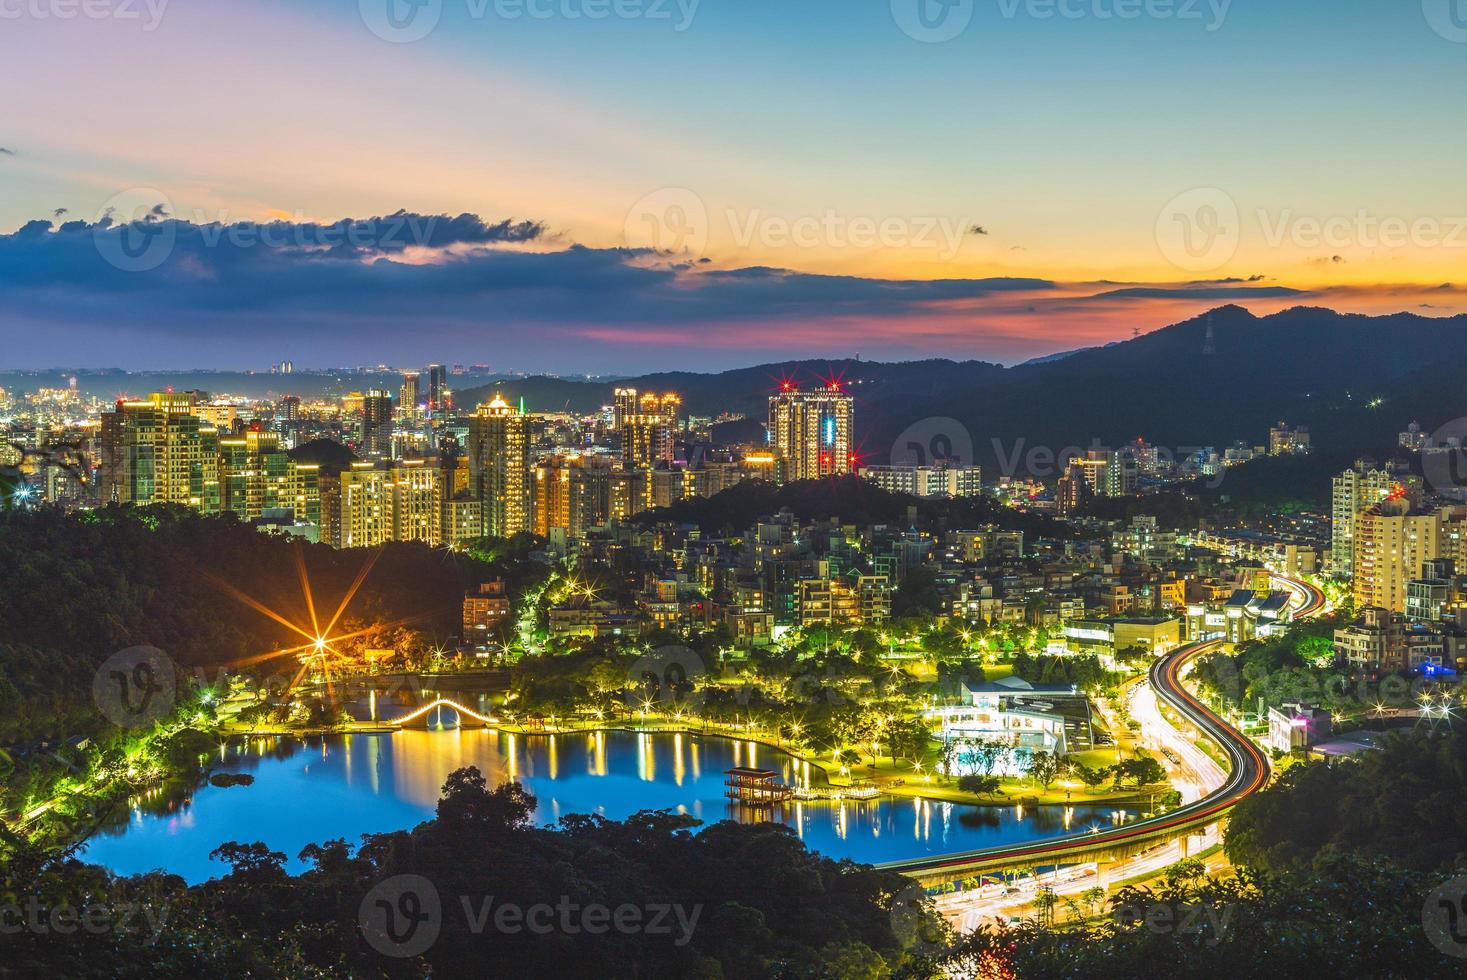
(1248, 771)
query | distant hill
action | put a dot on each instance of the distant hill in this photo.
(745, 390)
(853, 501)
(330, 455)
(1354, 380)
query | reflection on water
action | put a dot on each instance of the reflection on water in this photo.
(307, 792)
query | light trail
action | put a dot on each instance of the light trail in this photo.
(1248, 773)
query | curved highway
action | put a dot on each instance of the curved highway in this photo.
(1248, 772)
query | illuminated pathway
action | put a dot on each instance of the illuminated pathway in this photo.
(1247, 773)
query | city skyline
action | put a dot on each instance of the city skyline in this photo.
(929, 206)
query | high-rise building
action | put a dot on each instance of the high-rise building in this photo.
(376, 439)
(1109, 473)
(1071, 491)
(256, 474)
(438, 394)
(1393, 541)
(463, 517)
(408, 396)
(499, 467)
(417, 501)
(159, 452)
(552, 493)
(647, 424)
(365, 503)
(1355, 490)
(813, 430)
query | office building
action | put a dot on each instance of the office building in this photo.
(438, 394)
(813, 430)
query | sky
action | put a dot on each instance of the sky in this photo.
(629, 185)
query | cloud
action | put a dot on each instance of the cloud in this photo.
(1208, 292)
(411, 286)
(1230, 280)
(6, 151)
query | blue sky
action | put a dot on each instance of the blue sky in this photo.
(1068, 139)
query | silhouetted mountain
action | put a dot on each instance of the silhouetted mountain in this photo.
(747, 390)
(1354, 380)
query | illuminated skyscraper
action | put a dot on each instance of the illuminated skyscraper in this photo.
(159, 452)
(499, 467)
(647, 425)
(408, 395)
(376, 440)
(437, 390)
(813, 430)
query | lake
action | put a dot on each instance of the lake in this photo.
(309, 791)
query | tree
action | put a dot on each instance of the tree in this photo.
(1145, 771)
(1044, 768)
(979, 785)
(1091, 777)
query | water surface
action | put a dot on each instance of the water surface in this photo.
(308, 791)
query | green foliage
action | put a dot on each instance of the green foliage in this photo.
(1403, 803)
(979, 785)
(754, 903)
(79, 588)
(1351, 919)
